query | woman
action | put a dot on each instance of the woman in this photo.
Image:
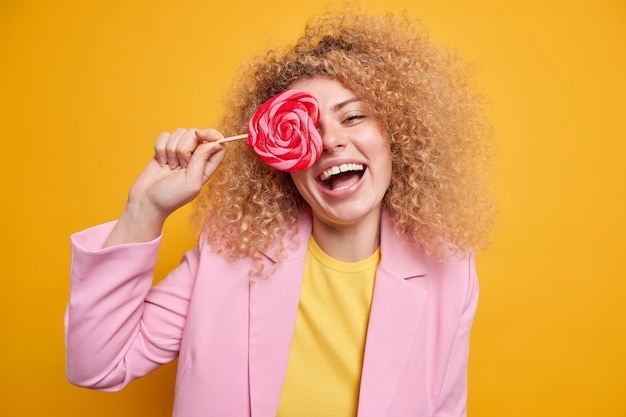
(347, 288)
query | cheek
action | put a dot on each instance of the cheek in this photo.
(387, 168)
(300, 181)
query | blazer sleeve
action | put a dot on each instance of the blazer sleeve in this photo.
(452, 399)
(117, 327)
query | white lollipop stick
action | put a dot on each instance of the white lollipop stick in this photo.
(228, 139)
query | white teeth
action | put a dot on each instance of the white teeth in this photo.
(339, 169)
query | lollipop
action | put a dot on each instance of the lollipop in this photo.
(283, 131)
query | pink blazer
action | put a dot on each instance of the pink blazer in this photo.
(233, 337)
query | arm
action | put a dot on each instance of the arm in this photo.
(452, 399)
(117, 327)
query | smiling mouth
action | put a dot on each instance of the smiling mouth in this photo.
(342, 176)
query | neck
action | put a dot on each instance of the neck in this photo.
(349, 242)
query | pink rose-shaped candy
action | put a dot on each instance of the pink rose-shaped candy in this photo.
(283, 131)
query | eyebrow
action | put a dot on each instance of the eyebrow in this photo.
(339, 106)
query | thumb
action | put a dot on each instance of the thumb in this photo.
(204, 161)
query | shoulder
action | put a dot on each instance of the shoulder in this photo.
(455, 278)
(451, 282)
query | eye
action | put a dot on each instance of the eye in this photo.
(353, 118)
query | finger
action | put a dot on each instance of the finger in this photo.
(186, 146)
(159, 148)
(209, 134)
(171, 146)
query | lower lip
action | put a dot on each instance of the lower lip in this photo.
(344, 192)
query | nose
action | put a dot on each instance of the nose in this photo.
(332, 138)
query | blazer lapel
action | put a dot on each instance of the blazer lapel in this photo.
(273, 310)
(396, 308)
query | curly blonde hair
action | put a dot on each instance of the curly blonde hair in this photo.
(426, 106)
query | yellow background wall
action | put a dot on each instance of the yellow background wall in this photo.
(86, 87)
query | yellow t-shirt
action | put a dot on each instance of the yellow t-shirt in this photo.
(324, 370)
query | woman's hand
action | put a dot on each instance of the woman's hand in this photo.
(183, 162)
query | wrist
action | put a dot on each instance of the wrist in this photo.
(135, 225)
